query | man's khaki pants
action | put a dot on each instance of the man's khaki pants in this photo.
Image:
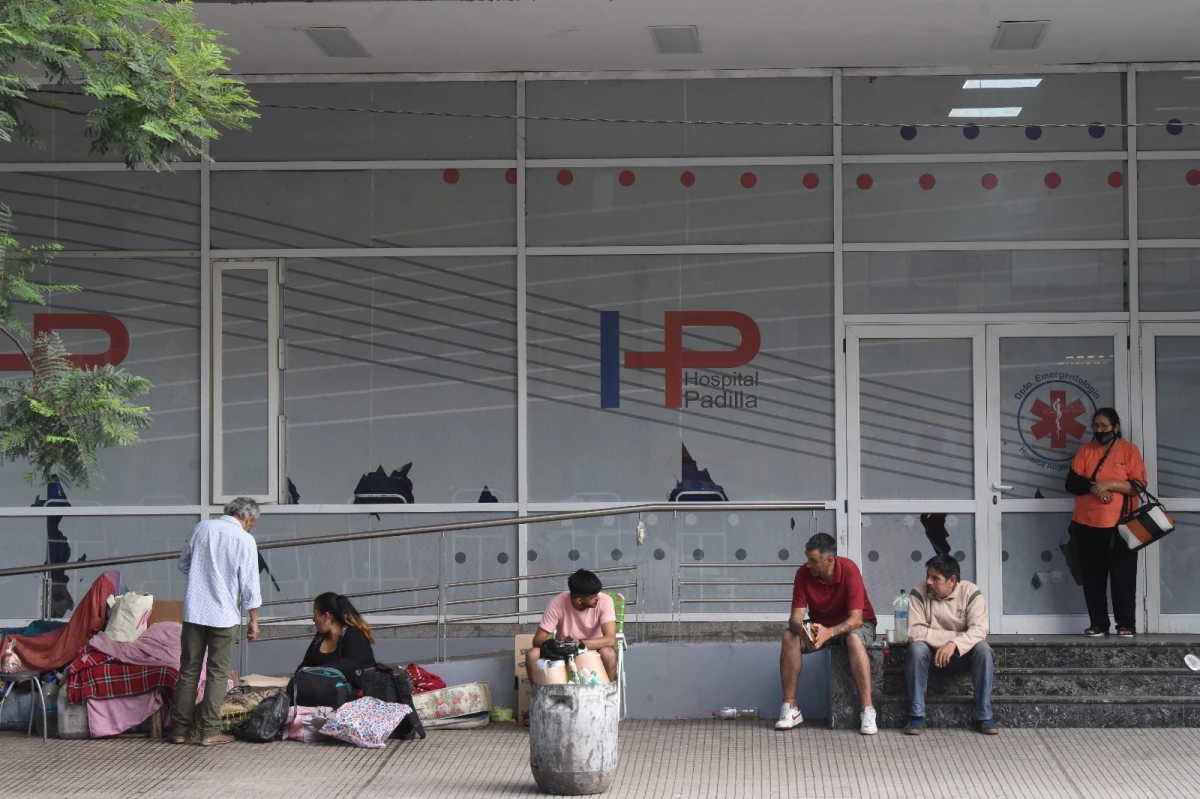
(196, 638)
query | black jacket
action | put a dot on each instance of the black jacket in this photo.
(353, 652)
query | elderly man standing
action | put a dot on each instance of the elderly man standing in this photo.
(947, 625)
(220, 560)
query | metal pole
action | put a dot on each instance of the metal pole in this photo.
(441, 611)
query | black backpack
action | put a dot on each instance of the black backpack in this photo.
(392, 685)
(320, 686)
(266, 722)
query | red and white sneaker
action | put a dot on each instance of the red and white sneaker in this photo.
(789, 717)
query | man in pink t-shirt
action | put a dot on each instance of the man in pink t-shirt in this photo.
(581, 614)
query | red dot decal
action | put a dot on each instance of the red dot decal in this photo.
(511, 176)
(1116, 180)
(451, 176)
(811, 180)
(688, 179)
(749, 180)
(865, 181)
(1053, 180)
(990, 181)
(927, 181)
(626, 178)
(1193, 177)
(565, 178)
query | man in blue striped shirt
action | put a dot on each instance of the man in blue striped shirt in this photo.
(220, 560)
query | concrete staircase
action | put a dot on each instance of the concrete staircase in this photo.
(1043, 681)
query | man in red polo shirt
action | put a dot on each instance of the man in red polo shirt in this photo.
(831, 590)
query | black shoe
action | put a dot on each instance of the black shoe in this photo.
(988, 727)
(1095, 632)
(915, 726)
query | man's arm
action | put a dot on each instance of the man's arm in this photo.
(185, 556)
(541, 637)
(977, 624)
(824, 634)
(251, 594)
(796, 622)
(918, 617)
(608, 637)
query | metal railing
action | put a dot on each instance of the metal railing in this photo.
(444, 604)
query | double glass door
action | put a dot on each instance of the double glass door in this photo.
(960, 440)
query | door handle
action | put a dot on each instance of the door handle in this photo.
(997, 487)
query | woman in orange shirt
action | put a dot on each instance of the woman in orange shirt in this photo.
(1105, 478)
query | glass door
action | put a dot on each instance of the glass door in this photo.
(917, 455)
(1044, 384)
(1171, 383)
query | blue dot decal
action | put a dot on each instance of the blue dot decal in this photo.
(1175, 127)
(1096, 130)
(908, 133)
(971, 131)
(1033, 133)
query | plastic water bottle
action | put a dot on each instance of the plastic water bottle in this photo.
(736, 714)
(900, 615)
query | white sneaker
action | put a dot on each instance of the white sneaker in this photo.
(868, 722)
(789, 717)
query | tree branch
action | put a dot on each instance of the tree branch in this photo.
(54, 107)
(20, 346)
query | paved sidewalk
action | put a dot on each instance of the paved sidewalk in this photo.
(684, 759)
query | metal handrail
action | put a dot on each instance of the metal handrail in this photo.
(370, 535)
(360, 594)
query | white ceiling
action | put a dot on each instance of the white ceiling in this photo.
(584, 35)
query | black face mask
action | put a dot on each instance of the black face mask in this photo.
(1106, 438)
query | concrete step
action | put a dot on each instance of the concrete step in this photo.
(1097, 682)
(1051, 711)
(1079, 652)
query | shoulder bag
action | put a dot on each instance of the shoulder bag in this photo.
(1149, 523)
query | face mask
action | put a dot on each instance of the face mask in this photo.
(1106, 438)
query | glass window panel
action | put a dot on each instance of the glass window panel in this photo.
(293, 134)
(917, 409)
(778, 446)
(1168, 199)
(106, 210)
(392, 360)
(1037, 579)
(245, 408)
(88, 538)
(1177, 384)
(758, 100)
(743, 205)
(990, 202)
(1178, 558)
(1039, 376)
(1165, 97)
(1169, 280)
(1057, 99)
(420, 208)
(994, 281)
(896, 547)
(158, 304)
(599, 543)
(64, 138)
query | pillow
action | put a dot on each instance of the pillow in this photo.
(366, 722)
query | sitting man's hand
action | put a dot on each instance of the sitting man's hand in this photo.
(822, 635)
(942, 657)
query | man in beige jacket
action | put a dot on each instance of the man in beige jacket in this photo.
(947, 625)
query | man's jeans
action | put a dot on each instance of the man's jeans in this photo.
(919, 661)
(194, 640)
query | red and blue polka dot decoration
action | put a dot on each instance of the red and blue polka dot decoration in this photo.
(865, 181)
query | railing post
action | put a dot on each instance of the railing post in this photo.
(441, 608)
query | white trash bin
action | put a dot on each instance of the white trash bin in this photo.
(573, 737)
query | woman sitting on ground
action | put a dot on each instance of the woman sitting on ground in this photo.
(343, 639)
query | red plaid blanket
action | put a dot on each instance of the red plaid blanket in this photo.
(95, 675)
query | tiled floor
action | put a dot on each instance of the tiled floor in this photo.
(684, 759)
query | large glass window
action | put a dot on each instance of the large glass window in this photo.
(1169, 280)
(1166, 98)
(1168, 199)
(895, 548)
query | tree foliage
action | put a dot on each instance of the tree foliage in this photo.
(151, 83)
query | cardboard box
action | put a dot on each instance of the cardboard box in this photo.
(166, 610)
(521, 645)
(523, 689)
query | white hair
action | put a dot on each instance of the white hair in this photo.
(243, 508)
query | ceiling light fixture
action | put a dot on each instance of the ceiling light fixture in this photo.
(337, 42)
(980, 113)
(1020, 35)
(675, 39)
(1002, 83)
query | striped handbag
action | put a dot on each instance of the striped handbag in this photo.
(1147, 524)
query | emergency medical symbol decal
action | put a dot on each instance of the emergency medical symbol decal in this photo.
(1053, 417)
(690, 377)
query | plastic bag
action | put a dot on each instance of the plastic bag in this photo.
(11, 663)
(554, 649)
(129, 616)
(503, 715)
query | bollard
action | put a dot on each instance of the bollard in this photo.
(573, 737)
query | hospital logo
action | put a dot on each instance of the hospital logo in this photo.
(691, 368)
(1053, 416)
(44, 323)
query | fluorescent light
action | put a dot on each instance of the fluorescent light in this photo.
(1002, 83)
(985, 112)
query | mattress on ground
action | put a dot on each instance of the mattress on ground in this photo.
(453, 702)
(471, 722)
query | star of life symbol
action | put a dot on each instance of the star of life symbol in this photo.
(1058, 419)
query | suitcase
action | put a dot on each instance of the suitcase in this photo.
(453, 702)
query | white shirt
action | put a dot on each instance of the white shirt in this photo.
(221, 562)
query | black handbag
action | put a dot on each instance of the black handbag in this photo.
(266, 722)
(392, 685)
(553, 649)
(320, 686)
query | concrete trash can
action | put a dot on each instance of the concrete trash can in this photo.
(573, 737)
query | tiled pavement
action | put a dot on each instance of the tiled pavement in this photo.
(684, 759)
